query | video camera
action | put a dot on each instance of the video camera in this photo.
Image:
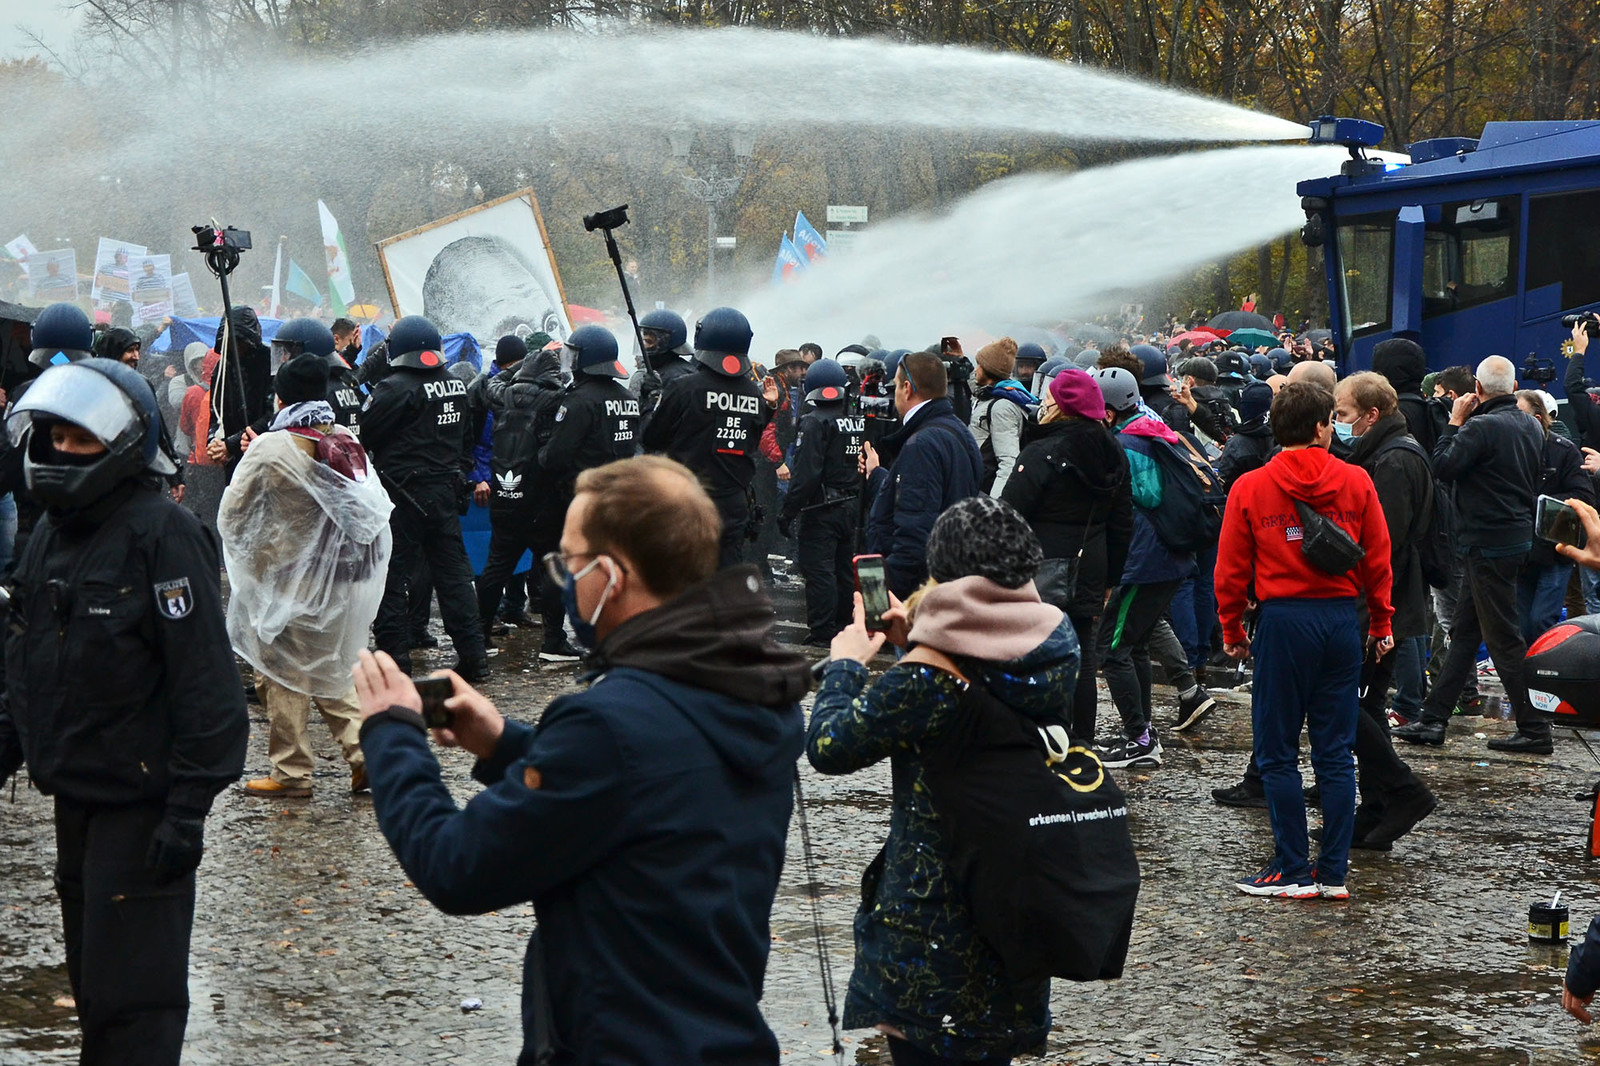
(1541, 370)
(1591, 322)
(611, 218)
(221, 246)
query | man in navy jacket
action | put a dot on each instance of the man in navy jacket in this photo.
(645, 817)
(934, 463)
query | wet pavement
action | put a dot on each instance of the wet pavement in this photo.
(310, 946)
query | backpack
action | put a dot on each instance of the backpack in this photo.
(1190, 516)
(1037, 840)
(1432, 541)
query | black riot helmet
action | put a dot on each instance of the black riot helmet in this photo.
(299, 335)
(61, 334)
(109, 400)
(665, 335)
(826, 382)
(722, 341)
(592, 350)
(414, 342)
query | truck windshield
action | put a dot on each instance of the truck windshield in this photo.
(1366, 250)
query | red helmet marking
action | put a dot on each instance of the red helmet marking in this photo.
(429, 358)
(622, 371)
(731, 364)
(830, 393)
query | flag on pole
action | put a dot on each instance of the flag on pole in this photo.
(277, 272)
(807, 239)
(790, 262)
(341, 291)
(301, 285)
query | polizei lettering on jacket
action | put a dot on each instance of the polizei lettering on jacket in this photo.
(444, 389)
(622, 408)
(733, 404)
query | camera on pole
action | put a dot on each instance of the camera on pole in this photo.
(606, 221)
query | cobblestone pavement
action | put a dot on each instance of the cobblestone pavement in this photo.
(310, 947)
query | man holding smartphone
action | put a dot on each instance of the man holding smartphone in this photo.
(645, 816)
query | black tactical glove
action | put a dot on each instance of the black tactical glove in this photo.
(177, 844)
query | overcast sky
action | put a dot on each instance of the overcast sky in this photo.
(52, 20)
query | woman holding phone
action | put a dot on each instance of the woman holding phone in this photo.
(922, 974)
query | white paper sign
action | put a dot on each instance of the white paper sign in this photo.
(150, 286)
(111, 269)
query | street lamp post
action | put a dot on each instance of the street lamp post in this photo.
(709, 185)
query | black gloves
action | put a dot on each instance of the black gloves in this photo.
(177, 844)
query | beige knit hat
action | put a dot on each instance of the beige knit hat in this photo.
(998, 358)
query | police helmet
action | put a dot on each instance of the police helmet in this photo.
(1281, 360)
(61, 334)
(109, 400)
(1260, 366)
(1047, 372)
(1232, 368)
(1154, 363)
(301, 335)
(414, 341)
(593, 350)
(1118, 387)
(1029, 355)
(722, 341)
(1087, 359)
(666, 329)
(825, 382)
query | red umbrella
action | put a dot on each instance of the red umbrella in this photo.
(1199, 336)
(583, 316)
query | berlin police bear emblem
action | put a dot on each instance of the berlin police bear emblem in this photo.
(175, 598)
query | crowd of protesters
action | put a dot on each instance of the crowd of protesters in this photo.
(1044, 515)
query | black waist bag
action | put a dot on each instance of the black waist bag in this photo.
(1324, 542)
(1039, 850)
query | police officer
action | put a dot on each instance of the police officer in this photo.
(123, 698)
(526, 507)
(418, 431)
(308, 335)
(598, 418)
(711, 422)
(824, 493)
(667, 356)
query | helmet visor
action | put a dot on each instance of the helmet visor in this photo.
(75, 394)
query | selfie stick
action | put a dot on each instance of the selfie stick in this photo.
(622, 278)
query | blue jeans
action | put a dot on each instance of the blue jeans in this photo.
(1308, 672)
(1541, 590)
(1194, 609)
(1410, 679)
(1590, 580)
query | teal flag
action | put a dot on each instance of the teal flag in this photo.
(301, 285)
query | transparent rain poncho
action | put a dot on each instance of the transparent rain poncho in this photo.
(307, 552)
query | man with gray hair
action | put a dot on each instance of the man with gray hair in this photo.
(1491, 454)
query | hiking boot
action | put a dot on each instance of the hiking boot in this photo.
(1422, 733)
(1193, 708)
(1469, 705)
(1240, 795)
(267, 788)
(1271, 882)
(1520, 743)
(559, 651)
(1400, 815)
(472, 671)
(1143, 752)
(358, 778)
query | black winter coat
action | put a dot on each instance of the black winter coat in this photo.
(1405, 491)
(1404, 365)
(122, 686)
(711, 423)
(1585, 411)
(827, 453)
(417, 427)
(1561, 475)
(246, 389)
(596, 423)
(1071, 484)
(1247, 450)
(1493, 461)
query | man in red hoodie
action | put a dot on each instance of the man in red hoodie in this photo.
(1308, 644)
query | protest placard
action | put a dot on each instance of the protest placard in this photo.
(184, 304)
(111, 269)
(150, 284)
(20, 248)
(53, 275)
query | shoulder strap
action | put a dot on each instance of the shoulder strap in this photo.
(938, 660)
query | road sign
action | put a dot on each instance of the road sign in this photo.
(727, 242)
(847, 214)
(842, 240)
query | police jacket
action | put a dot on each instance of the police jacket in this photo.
(344, 395)
(712, 424)
(416, 426)
(827, 453)
(596, 422)
(1493, 462)
(121, 685)
(524, 405)
(658, 375)
(645, 817)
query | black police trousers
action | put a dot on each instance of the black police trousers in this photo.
(127, 934)
(735, 512)
(512, 531)
(425, 526)
(827, 546)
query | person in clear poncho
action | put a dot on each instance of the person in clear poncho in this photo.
(306, 544)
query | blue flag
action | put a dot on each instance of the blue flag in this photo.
(301, 285)
(790, 262)
(807, 239)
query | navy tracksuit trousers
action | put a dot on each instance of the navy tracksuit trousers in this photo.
(1308, 671)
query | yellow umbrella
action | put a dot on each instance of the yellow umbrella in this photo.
(364, 311)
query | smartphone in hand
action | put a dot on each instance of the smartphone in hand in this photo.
(1556, 522)
(873, 584)
(434, 691)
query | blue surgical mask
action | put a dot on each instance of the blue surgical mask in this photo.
(583, 630)
(1345, 430)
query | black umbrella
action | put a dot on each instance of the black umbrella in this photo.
(1241, 320)
(1317, 336)
(1089, 332)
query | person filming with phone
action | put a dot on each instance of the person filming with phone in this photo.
(644, 816)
